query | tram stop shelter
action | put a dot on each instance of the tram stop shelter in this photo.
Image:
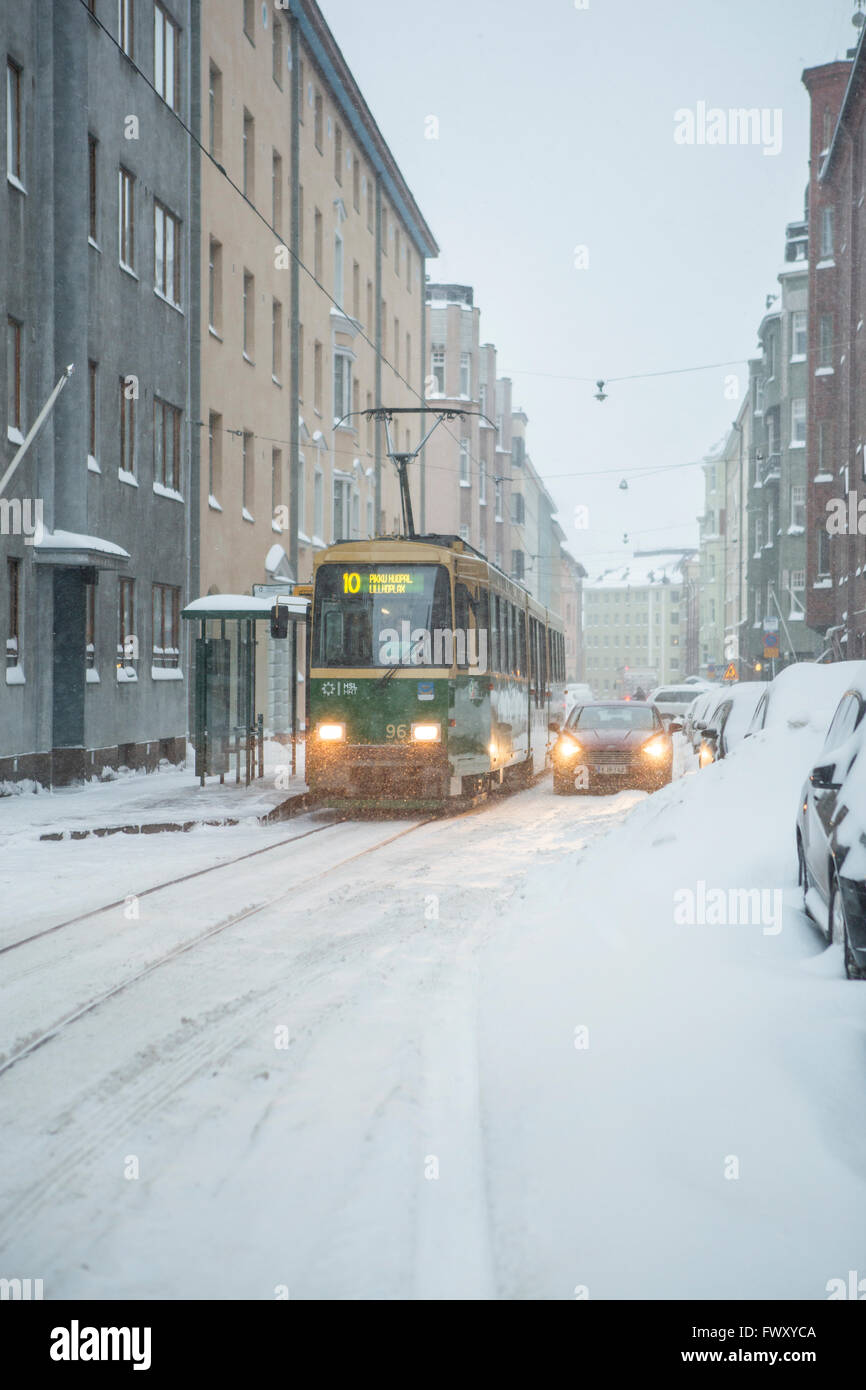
(246, 680)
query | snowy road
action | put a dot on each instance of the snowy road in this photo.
(479, 1060)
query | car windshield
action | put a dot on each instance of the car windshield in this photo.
(612, 717)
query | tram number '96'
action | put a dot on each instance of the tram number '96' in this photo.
(400, 731)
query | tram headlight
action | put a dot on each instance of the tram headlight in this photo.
(426, 733)
(331, 733)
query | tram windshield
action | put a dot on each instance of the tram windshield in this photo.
(380, 615)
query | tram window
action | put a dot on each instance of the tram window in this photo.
(482, 622)
(521, 643)
(494, 633)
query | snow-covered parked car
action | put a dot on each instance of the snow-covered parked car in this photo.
(831, 834)
(697, 715)
(806, 693)
(672, 701)
(728, 720)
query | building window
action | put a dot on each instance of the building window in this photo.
(338, 269)
(13, 627)
(798, 581)
(127, 642)
(770, 357)
(408, 357)
(247, 475)
(759, 535)
(215, 286)
(14, 143)
(342, 385)
(250, 20)
(825, 340)
(497, 499)
(518, 451)
(465, 374)
(93, 412)
(317, 244)
(799, 334)
(482, 486)
(798, 505)
(277, 51)
(126, 210)
(277, 190)
(798, 421)
(277, 340)
(249, 156)
(90, 628)
(338, 153)
(317, 377)
(166, 624)
(249, 305)
(370, 218)
(126, 26)
(465, 477)
(356, 290)
(318, 505)
(166, 58)
(166, 254)
(517, 569)
(342, 509)
(356, 183)
(127, 428)
(166, 445)
(214, 456)
(215, 111)
(823, 552)
(827, 231)
(276, 481)
(518, 509)
(438, 363)
(92, 189)
(318, 120)
(14, 380)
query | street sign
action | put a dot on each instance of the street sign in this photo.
(771, 638)
(731, 673)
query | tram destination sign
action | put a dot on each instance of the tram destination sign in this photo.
(383, 582)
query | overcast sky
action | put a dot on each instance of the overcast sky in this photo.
(556, 131)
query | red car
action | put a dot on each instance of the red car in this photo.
(603, 747)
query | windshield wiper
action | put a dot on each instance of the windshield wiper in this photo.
(383, 680)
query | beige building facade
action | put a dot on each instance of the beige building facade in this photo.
(313, 261)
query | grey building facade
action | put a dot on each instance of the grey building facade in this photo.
(776, 564)
(99, 268)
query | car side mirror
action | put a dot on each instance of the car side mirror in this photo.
(675, 727)
(710, 735)
(822, 777)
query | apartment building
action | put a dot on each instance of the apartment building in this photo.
(634, 624)
(835, 591)
(99, 270)
(314, 306)
(735, 463)
(711, 603)
(455, 486)
(776, 507)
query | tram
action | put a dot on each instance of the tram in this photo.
(432, 676)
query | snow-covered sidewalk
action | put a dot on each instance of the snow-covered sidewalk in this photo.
(170, 799)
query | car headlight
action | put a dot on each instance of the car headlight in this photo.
(426, 733)
(656, 747)
(331, 733)
(567, 747)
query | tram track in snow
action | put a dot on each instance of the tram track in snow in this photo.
(46, 1035)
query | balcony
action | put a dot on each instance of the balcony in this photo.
(769, 469)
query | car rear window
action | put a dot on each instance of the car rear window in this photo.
(675, 697)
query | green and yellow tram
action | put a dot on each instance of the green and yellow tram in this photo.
(432, 676)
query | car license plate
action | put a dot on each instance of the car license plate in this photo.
(610, 769)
